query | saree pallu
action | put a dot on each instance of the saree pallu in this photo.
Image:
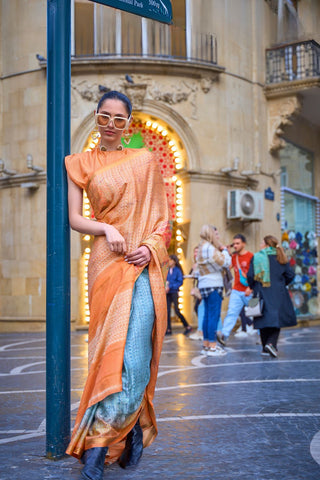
(125, 190)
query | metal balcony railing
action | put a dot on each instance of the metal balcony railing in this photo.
(149, 41)
(294, 61)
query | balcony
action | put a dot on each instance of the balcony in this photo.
(144, 46)
(294, 62)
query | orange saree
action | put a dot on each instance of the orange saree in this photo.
(125, 189)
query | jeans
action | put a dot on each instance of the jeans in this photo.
(212, 309)
(172, 297)
(236, 303)
(200, 315)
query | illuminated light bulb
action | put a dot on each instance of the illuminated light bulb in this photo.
(178, 166)
(179, 250)
(86, 288)
(87, 250)
(154, 125)
(87, 319)
(176, 154)
(149, 123)
(164, 133)
(179, 220)
(179, 183)
(179, 195)
(171, 143)
(179, 214)
(160, 128)
(179, 208)
(178, 238)
(86, 238)
(91, 145)
(86, 255)
(174, 178)
(174, 148)
(179, 202)
(178, 232)
(179, 190)
(86, 262)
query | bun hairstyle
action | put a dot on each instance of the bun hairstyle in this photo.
(114, 95)
(208, 233)
(176, 261)
(272, 241)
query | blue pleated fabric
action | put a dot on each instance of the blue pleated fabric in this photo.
(114, 410)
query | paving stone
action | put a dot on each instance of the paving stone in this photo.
(237, 417)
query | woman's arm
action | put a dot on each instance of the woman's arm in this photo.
(115, 240)
(250, 275)
(288, 274)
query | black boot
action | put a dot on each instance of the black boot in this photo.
(133, 449)
(93, 460)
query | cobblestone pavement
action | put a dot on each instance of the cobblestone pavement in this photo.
(236, 417)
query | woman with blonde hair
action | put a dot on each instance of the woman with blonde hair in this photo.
(212, 257)
(268, 276)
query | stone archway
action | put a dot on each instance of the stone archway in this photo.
(157, 134)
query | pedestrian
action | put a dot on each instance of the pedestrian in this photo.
(211, 259)
(127, 271)
(241, 292)
(174, 282)
(268, 276)
(195, 292)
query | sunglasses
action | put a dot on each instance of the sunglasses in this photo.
(119, 123)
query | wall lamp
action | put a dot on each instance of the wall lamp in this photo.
(31, 166)
(5, 170)
(234, 168)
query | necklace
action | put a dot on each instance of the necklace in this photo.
(105, 149)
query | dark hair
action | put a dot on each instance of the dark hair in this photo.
(240, 237)
(176, 261)
(114, 95)
(272, 241)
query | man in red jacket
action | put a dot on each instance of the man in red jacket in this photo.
(241, 293)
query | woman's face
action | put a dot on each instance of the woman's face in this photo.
(263, 245)
(110, 136)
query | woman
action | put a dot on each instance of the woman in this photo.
(127, 271)
(174, 282)
(211, 259)
(195, 292)
(268, 276)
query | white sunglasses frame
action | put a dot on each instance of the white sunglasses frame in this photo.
(96, 115)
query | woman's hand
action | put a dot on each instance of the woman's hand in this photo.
(115, 240)
(139, 257)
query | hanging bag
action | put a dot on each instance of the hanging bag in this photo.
(255, 307)
(243, 278)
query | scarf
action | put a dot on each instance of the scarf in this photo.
(261, 265)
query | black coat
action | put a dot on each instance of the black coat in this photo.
(278, 309)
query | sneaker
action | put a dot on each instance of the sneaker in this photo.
(213, 352)
(204, 350)
(221, 338)
(264, 353)
(221, 350)
(188, 329)
(251, 330)
(271, 349)
(241, 334)
(196, 336)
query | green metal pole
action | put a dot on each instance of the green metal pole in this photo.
(58, 232)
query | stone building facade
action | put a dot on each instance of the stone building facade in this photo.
(229, 100)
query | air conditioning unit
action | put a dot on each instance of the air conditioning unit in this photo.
(245, 205)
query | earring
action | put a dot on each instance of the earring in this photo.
(95, 134)
(127, 137)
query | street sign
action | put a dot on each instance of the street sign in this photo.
(160, 10)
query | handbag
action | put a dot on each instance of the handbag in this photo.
(227, 281)
(195, 292)
(243, 278)
(254, 307)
